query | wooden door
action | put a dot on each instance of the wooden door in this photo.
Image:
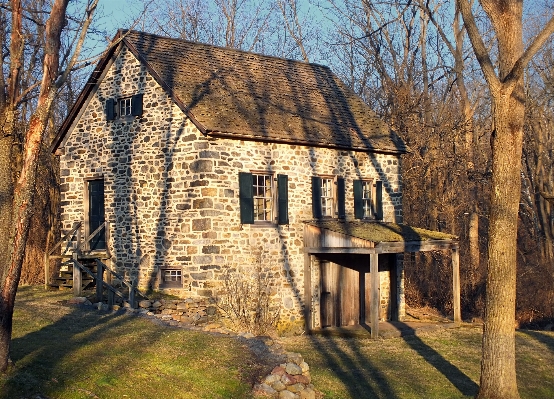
(340, 295)
(96, 213)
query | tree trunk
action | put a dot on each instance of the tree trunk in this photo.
(26, 183)
(498, 371)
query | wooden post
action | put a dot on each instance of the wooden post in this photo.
(308, 292)
(375, 297)
(111, 297)
(132, 295)
(78, 247)
(77, 277)
(456, 284)
(99, 280)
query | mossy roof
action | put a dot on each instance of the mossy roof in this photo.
(380, 232)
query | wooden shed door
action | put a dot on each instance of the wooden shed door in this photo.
(96, 213)
(340, 295)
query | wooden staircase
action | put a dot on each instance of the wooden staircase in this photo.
(81, 268)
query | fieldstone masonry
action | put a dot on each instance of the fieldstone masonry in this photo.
(171, 193)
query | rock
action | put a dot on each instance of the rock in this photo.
(287, 395)
(186, 320)
(278, 386)
(87, 303)
(157, 305)
(167, 311)
(78, 300)
(295, 358)
(307, 393)
(143, 304)
(296, 387)
(211, 310)
(278, 370)
(264, 389)
(182, 306)
(247, 335)
(304, 366)
(212, 326)
(302, 379)
(272, 378)
(115, 308)
(287, 379)
(293, 369)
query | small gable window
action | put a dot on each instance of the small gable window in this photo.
(328, 197)
(124, 107)
(260, 200)
(368, 199)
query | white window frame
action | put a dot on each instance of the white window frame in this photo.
(264, 192)
(176, 277)
(328, 196)
(368, 194)
(125, 107)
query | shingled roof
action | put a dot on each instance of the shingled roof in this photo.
(243, 95)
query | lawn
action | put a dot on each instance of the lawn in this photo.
(439, 364)
(67, 352)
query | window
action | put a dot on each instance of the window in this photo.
(171, 278)
(328, 197)
(124, 107)
(260, 200)
(263, 197)
(368, 201)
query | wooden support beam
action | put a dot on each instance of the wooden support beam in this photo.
(308, 292)
(77, 276)
(375, 297)
(456, 284)
(99, 280)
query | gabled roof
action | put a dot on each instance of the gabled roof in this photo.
(237, 94)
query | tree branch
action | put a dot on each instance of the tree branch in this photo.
(479, 47)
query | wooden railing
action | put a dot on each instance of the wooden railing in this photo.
(76, 250)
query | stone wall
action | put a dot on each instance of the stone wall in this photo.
(171, 193)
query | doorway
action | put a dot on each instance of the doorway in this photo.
(95, 214)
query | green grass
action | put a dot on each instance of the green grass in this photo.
(66, 352)
(438, 364)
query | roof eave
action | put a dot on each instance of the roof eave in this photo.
(249, 137)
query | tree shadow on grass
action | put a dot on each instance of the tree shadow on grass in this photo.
(47, 359)
(547, 340)
(359, 375)
(462, 382)
(79, 352)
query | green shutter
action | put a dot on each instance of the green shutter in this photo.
(110, 109)
(316, 197)
(341, 200)
(283, 199)
(358, 200)
(379, 200)
(246, 196)
(136, 105)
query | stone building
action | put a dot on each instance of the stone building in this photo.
(203, 160)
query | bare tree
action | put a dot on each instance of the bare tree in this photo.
(19, 161)
(505, 83)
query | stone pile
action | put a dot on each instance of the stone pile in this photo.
(290, 380)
